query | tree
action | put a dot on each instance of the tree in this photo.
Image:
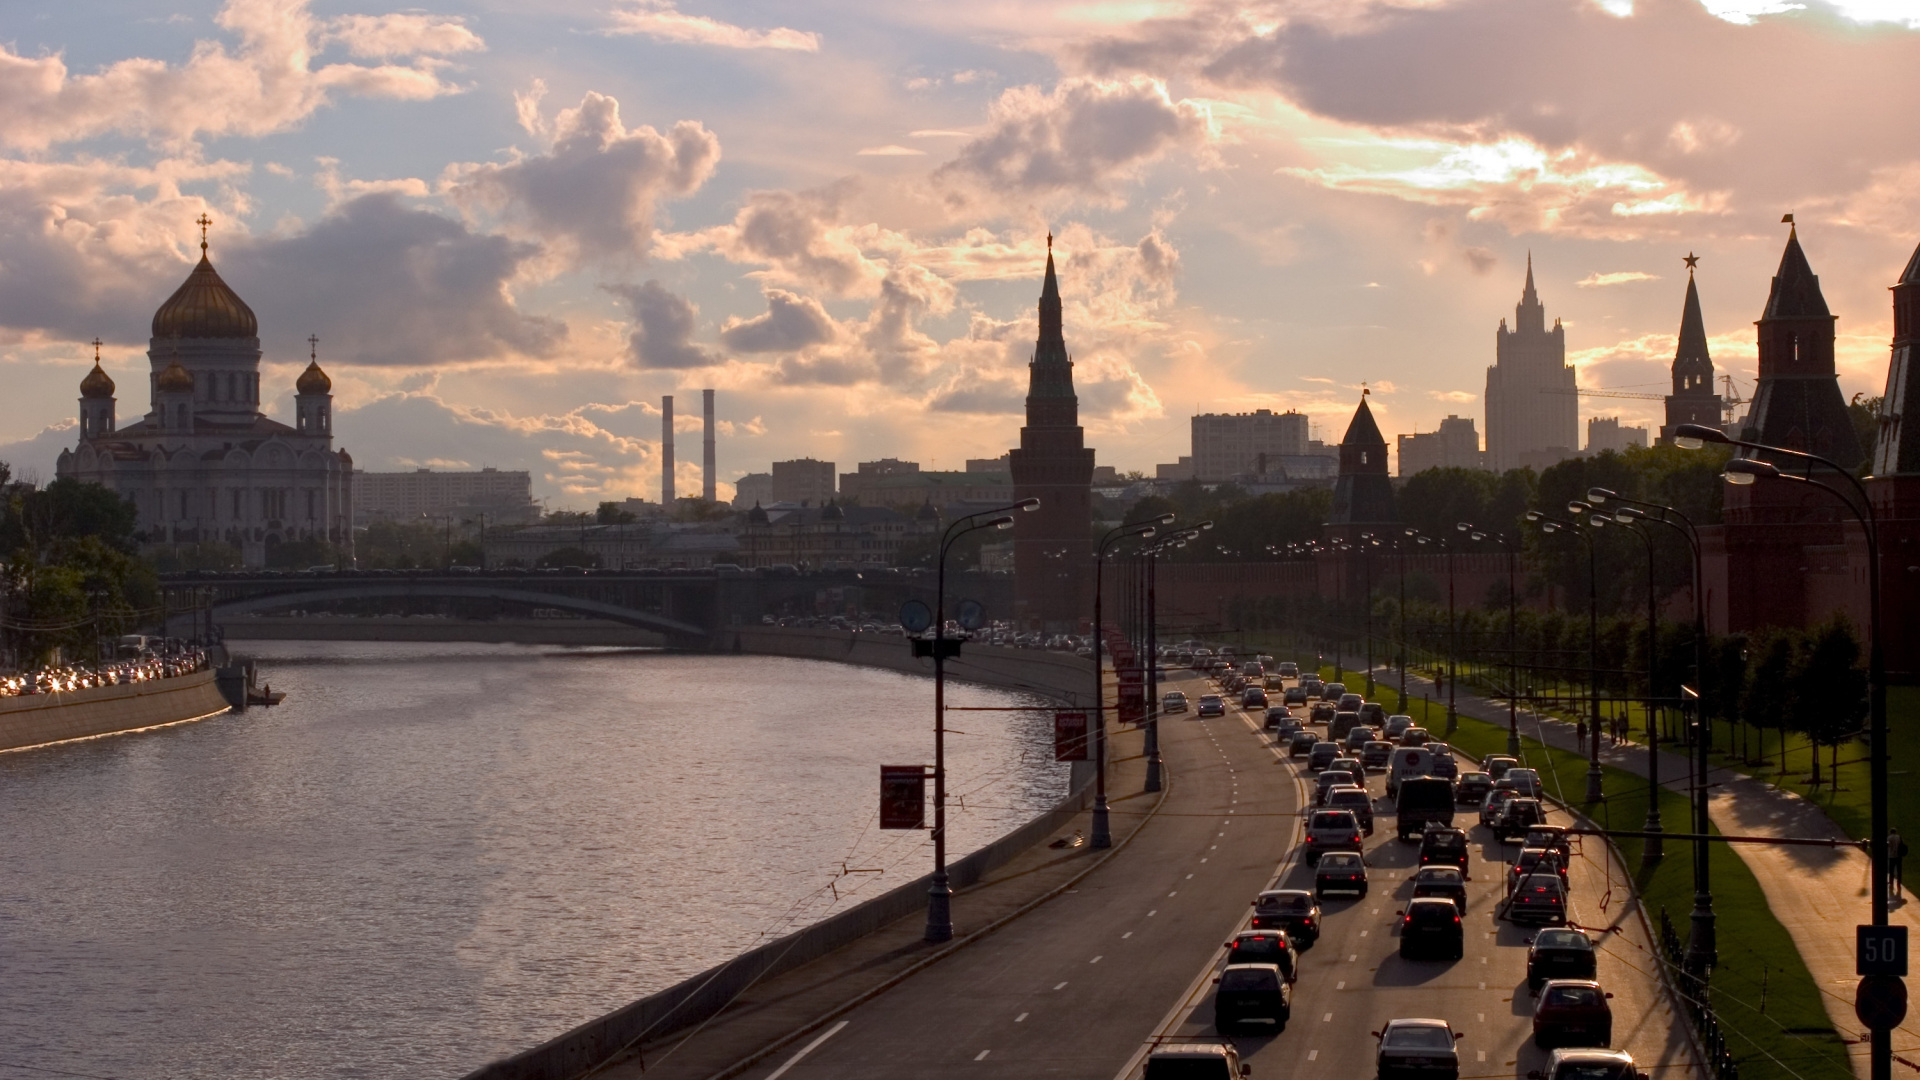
(1865, 414)
(611, 513)
(1834, 689)
(1769, 698)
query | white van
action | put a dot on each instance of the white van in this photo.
(1408, 761)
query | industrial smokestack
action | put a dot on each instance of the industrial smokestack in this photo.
(666, 451)
(707, 490)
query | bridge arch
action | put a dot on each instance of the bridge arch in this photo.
(674, 629)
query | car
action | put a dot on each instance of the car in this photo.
(1281, 720)
(1445, 882)
(1443, 763)
(1356, 738)
(1330, 779)
(1588, 1065)
(1313, 686)
(1253, 698)
(1417, 1047)
(1445, 847)
(1205, 1060)
(1496, 801)
(1272, 682)
(1251, 993)
(1265, 947)
(1322, 755)
(1333, 691)
(1233, 684)
(1349, 763)
(1321, 712)
(1212, 705)
(1302, 743)
(1420, 803)
(1173, 701)
(1550, 836)
(1559, 954)
(1395, 725)
(1372, 713)
(1254, 669)
(1289, 670)
(1345, 723)
(1430, 926)
(1355, 799)
(1331, 830)
(1409, 762)
(1471, 787)
(1350, 702)
(1541, 898)
(1536, 861)
(1340, 871)
(1524, 781)
(1294, 911)
(1415, 736)
(1294, 695)
(1496, 765)
(1516, 817)
(1572, 1012)
(1376, 753)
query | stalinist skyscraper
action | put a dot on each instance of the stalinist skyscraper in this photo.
(1052, 547)
(1533, 413)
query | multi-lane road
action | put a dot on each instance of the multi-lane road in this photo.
(1079, 987)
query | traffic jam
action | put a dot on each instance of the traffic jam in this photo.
(1434, 914)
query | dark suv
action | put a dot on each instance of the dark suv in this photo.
(1265, 947)
(1294, 911)
(1559, 954)
(1252, 993)
(1431, 926)
(1516, 818)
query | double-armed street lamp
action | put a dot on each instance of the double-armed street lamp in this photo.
(1654, 848)
(1702, 942)
(1513, 638)
(940, 892)
(1453, 632)
(1102, 833)
(1743, 471)
(1552, 525)
(1151, 555)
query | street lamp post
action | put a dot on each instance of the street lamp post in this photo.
(1702, 943)
(1549, 525)
(1402, 543)
(1513, 631)
(1102, 833)
(940, 892)
(1743, 470)
(1655, 848)
(1366, 600)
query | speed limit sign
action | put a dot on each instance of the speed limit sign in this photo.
(1880, 950)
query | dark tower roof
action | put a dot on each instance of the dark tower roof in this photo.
(1691, 356)
(1050, 375)
(1796, 288)
(1912, 274)
(757, 515)
(1528, 296)
(1363, 494)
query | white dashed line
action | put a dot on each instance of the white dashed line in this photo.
(1176, 892)
(807, 1049)
(1482, 1057)
(1483, 986)
(1152, 913)
(1313, 1055)
(1189, 877)
(1062, 986)
(1097, 959)
(1126, 935)
(1019, 1018)
(982, 1055)
(1342, 986)
(1351, 959)
(1327, 1019)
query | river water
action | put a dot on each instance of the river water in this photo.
(433, 854)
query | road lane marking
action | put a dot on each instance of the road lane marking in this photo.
(1482, 1057)
(1152, 913)
(1342, 985)
(1483, 1017)
(1019, 1018)
(982, 1055)
(1483, 986)
(1327, 1019)
(1126, 935)
(1351, 959)
(808, 1049)
(1203, 860)
(1176, 892)
(1313, 1055)
(1063, 986)
(1189, 877)
(1096, 959)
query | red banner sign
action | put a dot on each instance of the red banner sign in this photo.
(1132, 707)
(903, 796)
(1070, 735)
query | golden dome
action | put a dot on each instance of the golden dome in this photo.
(203, 307)
(176, 379)
(313, 380)
(97, 384)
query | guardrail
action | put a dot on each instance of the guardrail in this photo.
(1692, 988)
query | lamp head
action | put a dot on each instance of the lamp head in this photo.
(1164, 519)
(1534, 515)
(1598, 495)
(1478, 536)
(1598, 521)
(1028, 505)
(1205, 525)
(1550, 527)
(1147, 534)
(1002, 522)
(1694, 436)
(1745, 471)
(1463, 527)
(1577, 507)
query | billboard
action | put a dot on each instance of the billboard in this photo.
(1070, 730)
(903, 796)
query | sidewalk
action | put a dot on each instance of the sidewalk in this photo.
(1818, 894)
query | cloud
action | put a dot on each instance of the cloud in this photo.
(792, 323)
(1081, 138)
(1618, 277)
(663, 336)
(1458, 397)
(796, 234)
(662, 21)
(890, 150)
(266, 83)
(596, 188)
(386, 285)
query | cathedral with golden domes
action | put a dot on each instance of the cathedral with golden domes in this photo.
(205, 464)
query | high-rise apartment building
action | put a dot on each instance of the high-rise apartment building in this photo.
(1226, 445)
(1607, 433)
(503, 495)
(1456, 445)
(803, 480)
(754, 487)
(1533, 411)
(857, 485)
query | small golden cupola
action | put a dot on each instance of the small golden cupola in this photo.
(96, 399)
(203, 306)
(313, 380)
(97, 384)
(175, 379)
(313, 405)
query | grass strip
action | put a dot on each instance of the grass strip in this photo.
(1769, 1005)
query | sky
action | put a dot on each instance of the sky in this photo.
(514, 226)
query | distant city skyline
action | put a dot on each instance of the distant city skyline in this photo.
(836, 214)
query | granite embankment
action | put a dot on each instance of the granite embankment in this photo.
(1058, 675)
(37, 719)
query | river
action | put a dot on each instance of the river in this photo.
(435, 854)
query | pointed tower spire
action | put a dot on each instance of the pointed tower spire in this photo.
(1527, 295)
(1797, 401)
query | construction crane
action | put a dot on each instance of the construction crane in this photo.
(1728, 396)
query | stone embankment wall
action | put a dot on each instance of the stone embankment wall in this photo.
(103, 710)
(1058, 675)
(491, 631)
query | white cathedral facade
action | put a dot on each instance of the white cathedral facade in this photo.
(205, 464)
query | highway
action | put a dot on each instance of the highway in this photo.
(1077, 988)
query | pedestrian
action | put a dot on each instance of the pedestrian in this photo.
(1896, 855)
(1581, 727)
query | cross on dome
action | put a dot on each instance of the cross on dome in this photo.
(203, 221)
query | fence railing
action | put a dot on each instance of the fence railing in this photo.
(1692, 988)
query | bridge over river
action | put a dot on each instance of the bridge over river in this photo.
(688, 609)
